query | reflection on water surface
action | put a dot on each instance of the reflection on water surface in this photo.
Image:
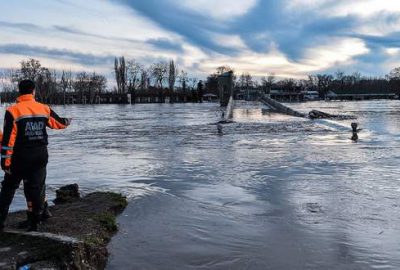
(275, 192)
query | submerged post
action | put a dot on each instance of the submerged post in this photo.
(225, 87)
(219, 128)
(355, 132)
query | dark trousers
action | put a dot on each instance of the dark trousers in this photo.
(31, 168)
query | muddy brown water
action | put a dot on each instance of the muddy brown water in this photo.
(273, 192)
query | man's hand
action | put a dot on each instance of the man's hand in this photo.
(67, 121)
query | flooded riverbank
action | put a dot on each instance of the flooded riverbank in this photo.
(274, 192)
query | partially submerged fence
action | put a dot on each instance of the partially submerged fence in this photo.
(280, 108)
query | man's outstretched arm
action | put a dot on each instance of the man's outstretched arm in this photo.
(57, 122)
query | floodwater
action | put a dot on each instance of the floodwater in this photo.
(274, 192)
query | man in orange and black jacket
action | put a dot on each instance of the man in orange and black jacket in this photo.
(24, 153)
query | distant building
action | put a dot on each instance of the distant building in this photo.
(311, 95)
(249, 94)
(286, 96)
(361, 94)
(210, 97)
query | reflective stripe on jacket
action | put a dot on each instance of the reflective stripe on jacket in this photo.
(25, 127)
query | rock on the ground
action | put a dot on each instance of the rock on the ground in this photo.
(75, 238)
(69, 193)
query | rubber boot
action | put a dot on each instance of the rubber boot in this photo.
(24, 224)
(46, 214)
(2, 221)
(33, 222)
(33, 227)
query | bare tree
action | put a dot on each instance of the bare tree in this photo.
(242, 81)
(30, 69)
(81, 84)
(120, 74)
(133, 74)
(65, 83)
(323, 83)
(46, 84)
(7, 82)
(394, 80)
(340, 75)
(200, 91)
(193, 82)
(159, 72)
(222, 69)
(249, 80)
(267, 82)
(183, 79)
(172, 75)
(357, 77)
(144, 78)
(44, 79)
(246, 80)
(271, 79)
(172, 72)
(394, 74)
(211, 85)
(87, 86)
(312, 82)
(96, 84)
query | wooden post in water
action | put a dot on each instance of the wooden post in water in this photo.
(225, 87)
(355, 132)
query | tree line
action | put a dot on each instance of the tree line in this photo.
(52, 86)
(165, 79)
(322, 83)
(160, 78)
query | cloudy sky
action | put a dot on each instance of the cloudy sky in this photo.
(285, 37)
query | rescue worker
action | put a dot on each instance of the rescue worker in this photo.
(45, 214)
(24, 153)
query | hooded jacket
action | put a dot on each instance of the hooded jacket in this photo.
(25, 127)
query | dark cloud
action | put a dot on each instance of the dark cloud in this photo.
(62, 29)
(391, 40)
(194, 27)
(268, 23)
(21, 26)
(292, 32)
(38, 51)
(74, 31)
(165, 44)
